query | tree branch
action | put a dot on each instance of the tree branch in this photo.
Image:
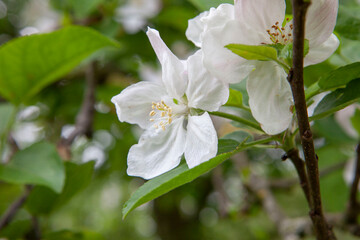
(12, 210)
(353, 206)
(322, 229)
(85, 117)
(299, 164)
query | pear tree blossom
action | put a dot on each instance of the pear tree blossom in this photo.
(172, 112)
(262, 22)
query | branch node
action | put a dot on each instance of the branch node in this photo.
(290, 76)
(284, 157)
(307, 135)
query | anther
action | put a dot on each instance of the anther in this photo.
(152, 113)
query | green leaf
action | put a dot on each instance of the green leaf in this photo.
(235, 99)
(6, 111)
(330, 129)
(355, 120)
(348, 24)
(254, 52)
(227, 145)
(285, 52)
(38, 164)
(182, 175)
(238, 136)
(42, 200)
(28, 64)
(340, 77)
(337, 100)
(204, 5)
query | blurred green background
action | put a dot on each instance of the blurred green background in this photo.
(215, 206)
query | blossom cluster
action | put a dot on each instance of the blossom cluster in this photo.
(174, 110)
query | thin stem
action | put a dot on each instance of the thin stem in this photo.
(353, 205)
(85, 117)
(257, 142)
(237, 119)
(296, 80)
(12, 210)
(4, 136)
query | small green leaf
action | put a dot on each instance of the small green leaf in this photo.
(306, 47)
(42, 200)
(285, 52)
(28, 64)
(38, 164)
(226, 145)
(337, 100)
(6, 111)
(355, 120)
(235, 99)
(204, 5)
(330, 129)
(254, 52)
(238, 136)
(340, 77)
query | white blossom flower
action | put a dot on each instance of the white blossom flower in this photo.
(172, 112)
(135, 13)
(257, 22)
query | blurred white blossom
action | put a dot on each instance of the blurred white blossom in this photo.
(343, 118)
(135, 13)
(38, 17)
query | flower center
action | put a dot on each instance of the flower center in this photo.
(161, 114)
(282, 35)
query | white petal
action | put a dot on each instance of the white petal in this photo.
(204, 91)
(215, 17)
(133, 104)
(270, 97)
(320, 21)
(173, 70)
(322, 52)
(157, 151)
(260, 14)
(196, 28)
(201, 140)
(221, 62)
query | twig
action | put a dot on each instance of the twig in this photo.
(299, 164)
(85, 117)
(83, 125)
(35, 232)
(322, 230)
(237, 119)
(13, 148)
(353, 205)
(12, 210)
